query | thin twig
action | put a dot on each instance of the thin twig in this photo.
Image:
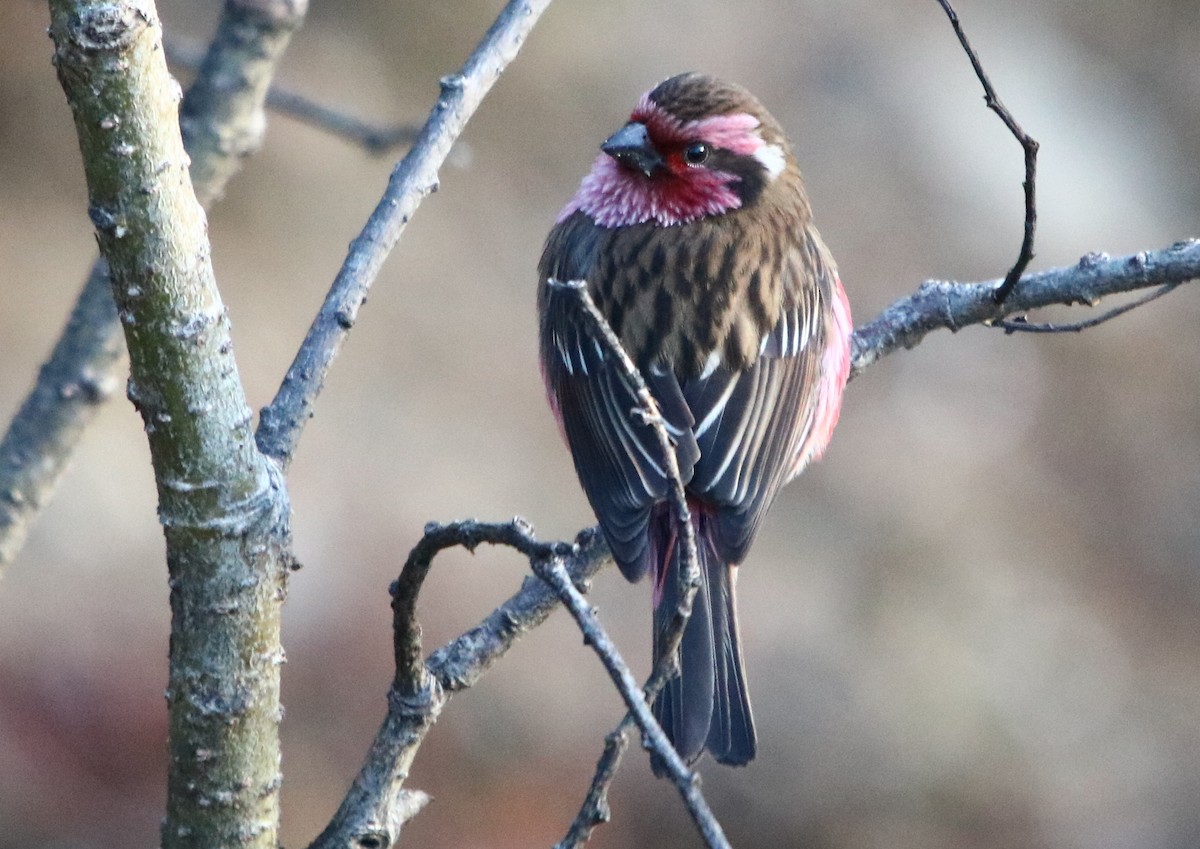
(1021, 324)
(373, 138)
(686, 781)
(666, 664)
(1028, 144)
(689, 578)
(595, 810)
(413, 179)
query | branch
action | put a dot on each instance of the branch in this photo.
(413, 179)
(953, 306)
(378, 804)
(222, 504)
(666, 664)
(82, 372)
(595, 811)
(376, 140)
(648, 412)
(686, 781)
(1028, 144)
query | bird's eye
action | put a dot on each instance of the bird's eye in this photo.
(696, 153)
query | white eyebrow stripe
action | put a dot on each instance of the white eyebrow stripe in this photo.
(772, 159)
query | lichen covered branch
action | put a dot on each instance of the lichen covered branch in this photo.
(222, 504)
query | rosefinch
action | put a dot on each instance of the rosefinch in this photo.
(695, 238)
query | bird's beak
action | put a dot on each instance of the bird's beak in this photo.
(631, 146)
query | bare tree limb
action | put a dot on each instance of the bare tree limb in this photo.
(667, 664)
(225, 102)
(1028, 144)
(413, 179)
(374, 138)
(80, 376)
(222, 504)
(378, 804)
(595, 810)
(952, 306)
(686, 781)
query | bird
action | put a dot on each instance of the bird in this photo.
(693, 235)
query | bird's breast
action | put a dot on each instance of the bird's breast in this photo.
(682, 295)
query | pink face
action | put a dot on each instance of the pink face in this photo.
(616, 196)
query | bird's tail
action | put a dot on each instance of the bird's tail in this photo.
(707, 705)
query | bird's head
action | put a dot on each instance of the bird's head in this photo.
(693, 147)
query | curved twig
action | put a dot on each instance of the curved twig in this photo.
(1022, 324)
(378, 803)
(1028, 144)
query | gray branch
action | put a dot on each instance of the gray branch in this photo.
(686, 781)
(595, 801)
(378, 804)
(412, 180)
(376, 139)
(947, 305)
(222, 504)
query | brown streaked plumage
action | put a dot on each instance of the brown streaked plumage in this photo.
(696, 241)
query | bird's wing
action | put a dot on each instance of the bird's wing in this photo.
(617, 456)
(752, 424)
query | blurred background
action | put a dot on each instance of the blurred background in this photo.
(975, 624)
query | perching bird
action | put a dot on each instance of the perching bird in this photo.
(695, 239)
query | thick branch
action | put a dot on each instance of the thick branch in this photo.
(224, 103)
(947, 305)
(222, 504)
(413, 179)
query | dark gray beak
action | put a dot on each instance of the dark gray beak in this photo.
(631, 146)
